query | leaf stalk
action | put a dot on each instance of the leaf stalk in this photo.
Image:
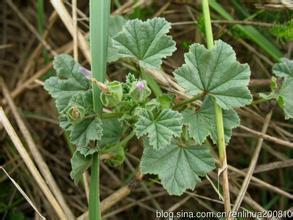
(187, 101)
(151, 82)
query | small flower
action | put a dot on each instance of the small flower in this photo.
(140, 85)
(84, 71)
(139, 91)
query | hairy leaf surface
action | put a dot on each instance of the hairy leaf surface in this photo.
(79, 164)
(215, 72)
(179, 168)
(115, 26)
(203, 123)
(145, 42)
(284, 68)
(285, 97)
(160, 127)
(85, 131)
(68, 82)
(112, 132)
(84, 99)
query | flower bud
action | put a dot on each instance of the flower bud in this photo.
(84, 71)
(114, 95)
(75, 113)
(139, 91)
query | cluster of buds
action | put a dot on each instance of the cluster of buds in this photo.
(112, 92)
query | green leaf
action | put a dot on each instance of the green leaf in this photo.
(215, 72)
(80, 105)
(117, 154)
(110, 142)
(112, 132)
(87, 130)
(160, 127)
(87, 151)
(81, 102)
(116, 23)
(83, 99)
(79, 164)
(179, 168)
(285, 98)
(203, 123)
(68, 82)
(166, 101)
(64, 122)
(146, 42)
(115, 26)
(284, 68)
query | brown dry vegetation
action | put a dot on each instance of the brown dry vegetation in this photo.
(25, 61)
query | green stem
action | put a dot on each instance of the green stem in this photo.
(259, 101)
(127, 138)
(218, 115)
(151, 82)
(99, 19)
(187, 101)
(94, 200)
(111, 115)
(208, 24)
(41, 24)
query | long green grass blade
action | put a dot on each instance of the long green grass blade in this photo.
(250, 31)
(41, 18)
(99, 19)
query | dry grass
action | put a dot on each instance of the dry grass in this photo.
(34, 150)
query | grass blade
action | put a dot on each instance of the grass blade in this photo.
(250, 31)
(99, 19)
